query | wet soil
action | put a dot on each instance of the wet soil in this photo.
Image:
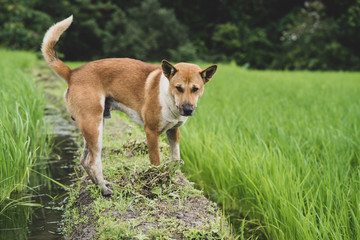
(46, 221)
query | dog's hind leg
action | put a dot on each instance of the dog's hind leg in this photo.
(91, 127)
(84, 159)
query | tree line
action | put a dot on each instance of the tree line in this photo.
(271, 34)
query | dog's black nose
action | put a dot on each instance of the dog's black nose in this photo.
(188, 110)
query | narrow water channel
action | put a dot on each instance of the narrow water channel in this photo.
(40, 223)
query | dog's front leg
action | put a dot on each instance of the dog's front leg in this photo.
(152, 138)
(173, 136)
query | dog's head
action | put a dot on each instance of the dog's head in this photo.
(186, 84)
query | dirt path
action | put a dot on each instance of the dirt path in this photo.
(148, 202)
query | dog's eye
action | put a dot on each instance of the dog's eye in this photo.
(195, 89)
(179, 89)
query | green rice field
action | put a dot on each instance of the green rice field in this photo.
(280, 151)
(23, 132)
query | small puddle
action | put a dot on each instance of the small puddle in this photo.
(44, 222)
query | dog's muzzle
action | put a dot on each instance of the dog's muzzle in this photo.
(187, 110)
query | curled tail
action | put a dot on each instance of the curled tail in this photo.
(48, 48)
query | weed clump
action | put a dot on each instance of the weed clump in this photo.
(154, 181)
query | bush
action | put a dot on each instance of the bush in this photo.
(147, 32)
(21, 27)
(313, 42)
(227, 38)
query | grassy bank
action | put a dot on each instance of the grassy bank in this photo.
(23, 132)
(148, 202)
(280, 151)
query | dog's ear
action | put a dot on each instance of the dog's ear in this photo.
(168, 69)
(207, 73)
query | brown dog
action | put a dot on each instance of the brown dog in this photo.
(159, 98)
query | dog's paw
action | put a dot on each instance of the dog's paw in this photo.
(106, 191)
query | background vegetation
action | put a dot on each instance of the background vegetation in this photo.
(272, 34)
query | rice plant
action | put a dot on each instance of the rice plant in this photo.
(22, 129)
(280, 151)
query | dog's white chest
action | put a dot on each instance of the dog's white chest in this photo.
(170, 115)
(166, 124)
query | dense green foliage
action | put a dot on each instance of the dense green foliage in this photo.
(23, 132)
(272, 34)
(280, 151)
